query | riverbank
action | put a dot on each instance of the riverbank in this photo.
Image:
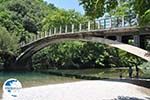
(102, 72)
(85, 90)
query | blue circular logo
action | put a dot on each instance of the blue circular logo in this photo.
(11, 87)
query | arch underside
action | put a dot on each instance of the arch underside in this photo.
(37, 45)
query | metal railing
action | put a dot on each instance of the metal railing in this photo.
(101, 23)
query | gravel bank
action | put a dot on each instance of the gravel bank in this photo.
(84, 90)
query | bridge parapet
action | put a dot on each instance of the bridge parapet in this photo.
(107, 23)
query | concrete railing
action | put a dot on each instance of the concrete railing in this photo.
(101, 23)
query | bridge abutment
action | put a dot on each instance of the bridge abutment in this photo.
(136, 39)
(143, 41)
(25, 65)
(119, 38)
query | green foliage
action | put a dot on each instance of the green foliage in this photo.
(97, 8)
(76, 54)
(19, 20)
(141, 6)
(145, 19)
(24, 16)
(8, 47)
(8, 42)
(124, 8)
(62, 17)
(145, 67)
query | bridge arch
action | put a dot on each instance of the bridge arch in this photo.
(33, 47)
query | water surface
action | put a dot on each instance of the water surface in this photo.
(30, 79)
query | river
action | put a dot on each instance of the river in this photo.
(32, 79)
(39, 86)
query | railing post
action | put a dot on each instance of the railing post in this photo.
(94, 27)
(36, 37)
(98, 24)
(49, 33)
(32, 38)
(60, 28)
(40, 35)
(123, 21)
(52, 31)
(66, 29)
(72, 28)
(55, 30)
(137, 20)
(80, 27)
(110, 22)
(104, 23)
(89, 25)
(117, 22)
(45, 34)
(130, 20)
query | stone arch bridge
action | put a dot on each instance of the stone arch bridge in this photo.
(105, 33)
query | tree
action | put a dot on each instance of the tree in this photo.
(62, 17)
(8, 42)
(24, 16)
(8, 47)
(97, 8)
(142, 8)
(145, 19)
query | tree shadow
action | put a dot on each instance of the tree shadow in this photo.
(128, 98)
(148, 98)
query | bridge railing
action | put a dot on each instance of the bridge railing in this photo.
(101, 23)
